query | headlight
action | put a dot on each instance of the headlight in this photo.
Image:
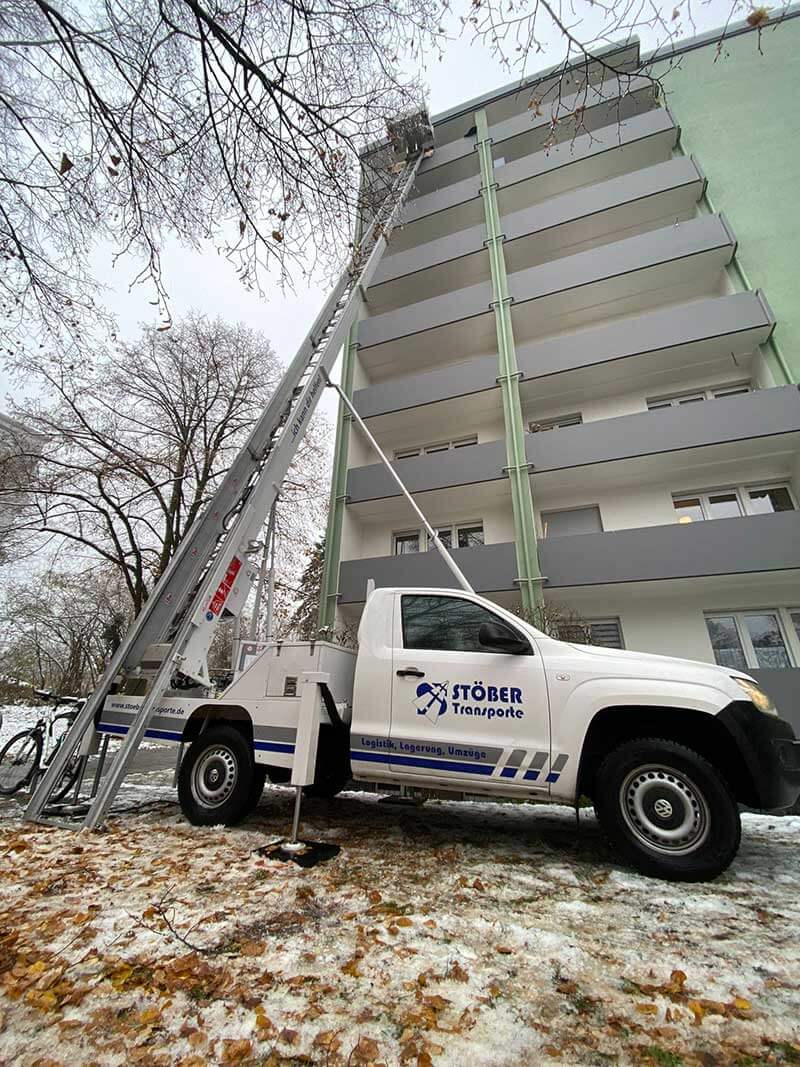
(758, 696)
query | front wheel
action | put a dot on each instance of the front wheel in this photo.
(215, 783)
(18, 761)
(667, 810)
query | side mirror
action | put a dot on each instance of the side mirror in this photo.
(501, 638)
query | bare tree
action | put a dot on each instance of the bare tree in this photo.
(237, 123)
(59, 628)
(138, 440)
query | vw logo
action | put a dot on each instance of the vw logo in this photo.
(662, 808)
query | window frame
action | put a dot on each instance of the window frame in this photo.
(791, 642)
(742, 497)
(460, 651)
(708, 392)
(604, 621)
(556, 422)
(407, 533)
(426, 543)
(434, 448)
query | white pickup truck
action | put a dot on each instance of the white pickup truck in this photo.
(448, 691)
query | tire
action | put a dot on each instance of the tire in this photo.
(215, 783)
(259, 780)
(19, 759)
(333, 771)
(667, 810)
(68, 779)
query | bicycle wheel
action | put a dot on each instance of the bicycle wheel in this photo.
(19, 760)
(67, 780)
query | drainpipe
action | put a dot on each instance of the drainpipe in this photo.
(518, 470)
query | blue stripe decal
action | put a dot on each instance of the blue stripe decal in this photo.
(508, 772)
(416, 761)
(531, 776)
(553, 777)
(159, 735)
(273, 746)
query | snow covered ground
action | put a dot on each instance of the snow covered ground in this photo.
(464, 934)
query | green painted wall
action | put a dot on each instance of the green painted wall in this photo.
(739, 117)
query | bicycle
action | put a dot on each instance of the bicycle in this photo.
(30, 752)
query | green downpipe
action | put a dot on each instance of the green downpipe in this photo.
(528, 569)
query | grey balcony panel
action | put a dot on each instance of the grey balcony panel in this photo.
(751, 416)
(739, 321)
(639, 253)
(616, 136)
(488, 569)
(783, 685)
(457, 466)
(584, 213)
(611, 101)
(767, 413)
(720, 546)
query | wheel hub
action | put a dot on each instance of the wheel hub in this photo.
(664, 809)
(214, 776)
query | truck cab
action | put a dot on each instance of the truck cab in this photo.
(453, 692)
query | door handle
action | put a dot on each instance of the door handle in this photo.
(410, 672)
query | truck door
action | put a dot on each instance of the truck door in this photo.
(461, 711)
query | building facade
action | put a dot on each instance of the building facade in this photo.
(582, 352)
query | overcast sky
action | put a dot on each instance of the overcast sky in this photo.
(207, 281)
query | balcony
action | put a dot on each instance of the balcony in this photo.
(751, 544)
(676, 262)
(614, 100)
(571, 222)
(754, 544)
(651, 445)
(655, 346)
(454, 124)
(615, 149)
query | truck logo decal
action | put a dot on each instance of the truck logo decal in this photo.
(431, 699)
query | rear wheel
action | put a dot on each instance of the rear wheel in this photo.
(667, 810)
(215, 783)
(19, 759)
(68, 779)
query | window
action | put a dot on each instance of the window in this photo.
(574, 521)
(540, 425)
(468, 535)
(713, 392)
(461, 535)
(606, 632)
(748, 639)
(773, 498)
(406, 543)
(727, 503)
(794, 615)
(444, 623)
(436, 446)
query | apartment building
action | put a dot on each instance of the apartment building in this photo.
(582, 351)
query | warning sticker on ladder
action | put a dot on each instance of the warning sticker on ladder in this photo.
(224, 587)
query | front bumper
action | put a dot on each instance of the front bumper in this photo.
(770, 751)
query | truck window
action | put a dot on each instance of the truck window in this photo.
(444, 623)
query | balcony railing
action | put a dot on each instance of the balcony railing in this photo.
(751, 544)
(681, 334)
(767, 414)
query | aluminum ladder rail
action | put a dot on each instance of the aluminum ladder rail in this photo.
(238, 508)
